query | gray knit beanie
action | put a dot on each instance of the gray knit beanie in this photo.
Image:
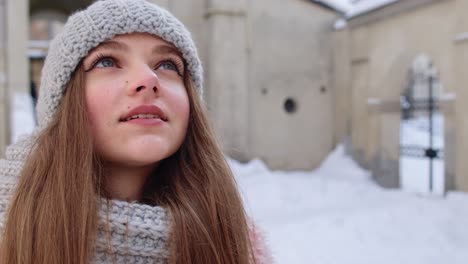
(101, 21)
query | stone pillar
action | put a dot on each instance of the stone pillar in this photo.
(385, 159)
(386, 169)
(359, 86)
(461, 107)
(447, 103)
(341, 84)
(14, 65)
(192, 14)
(359, 112)
(4, 102)
(17, 42)
(17, 62)
(227, 77)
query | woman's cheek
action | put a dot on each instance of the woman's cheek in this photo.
(99, 102)
(180, 101)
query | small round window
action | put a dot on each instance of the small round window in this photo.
(290, 105)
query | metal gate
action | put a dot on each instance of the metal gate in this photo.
(410, 107)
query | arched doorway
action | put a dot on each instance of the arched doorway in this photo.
(421, 130)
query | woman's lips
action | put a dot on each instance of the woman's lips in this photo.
(146, 121)
(146, 115)
(144, 112)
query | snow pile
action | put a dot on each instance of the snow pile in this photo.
(337, 215)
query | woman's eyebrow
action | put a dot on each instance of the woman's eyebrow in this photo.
(163, 49)
(111, 45)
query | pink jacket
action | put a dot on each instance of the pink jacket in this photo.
(260, 249)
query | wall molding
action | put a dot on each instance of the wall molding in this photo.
(461, 37)
(225, 12)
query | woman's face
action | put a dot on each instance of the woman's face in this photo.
(136, 99)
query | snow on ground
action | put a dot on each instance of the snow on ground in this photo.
(337, 215)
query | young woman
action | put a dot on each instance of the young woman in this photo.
(123, 167)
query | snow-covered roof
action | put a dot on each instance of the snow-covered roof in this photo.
(365, 6)
(341, 6)
(352, 8)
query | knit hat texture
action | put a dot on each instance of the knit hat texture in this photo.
(99, 22)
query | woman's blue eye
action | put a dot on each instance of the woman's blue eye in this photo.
(105, 62)
(169, 65)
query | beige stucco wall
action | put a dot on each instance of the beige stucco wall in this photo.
(460, 57)
(381, 52)
(290, 57)
(257, 54)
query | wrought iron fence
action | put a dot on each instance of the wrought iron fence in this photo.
(409, 106)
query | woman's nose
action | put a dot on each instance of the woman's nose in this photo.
(143, 80)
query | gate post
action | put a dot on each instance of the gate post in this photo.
(385, 165)
(447, 107)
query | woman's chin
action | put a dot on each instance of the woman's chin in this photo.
(145, 157)
(138, 155)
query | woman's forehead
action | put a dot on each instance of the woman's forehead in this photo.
(127, 41)
(140, 35)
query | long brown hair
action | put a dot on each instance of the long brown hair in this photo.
(53, 214)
